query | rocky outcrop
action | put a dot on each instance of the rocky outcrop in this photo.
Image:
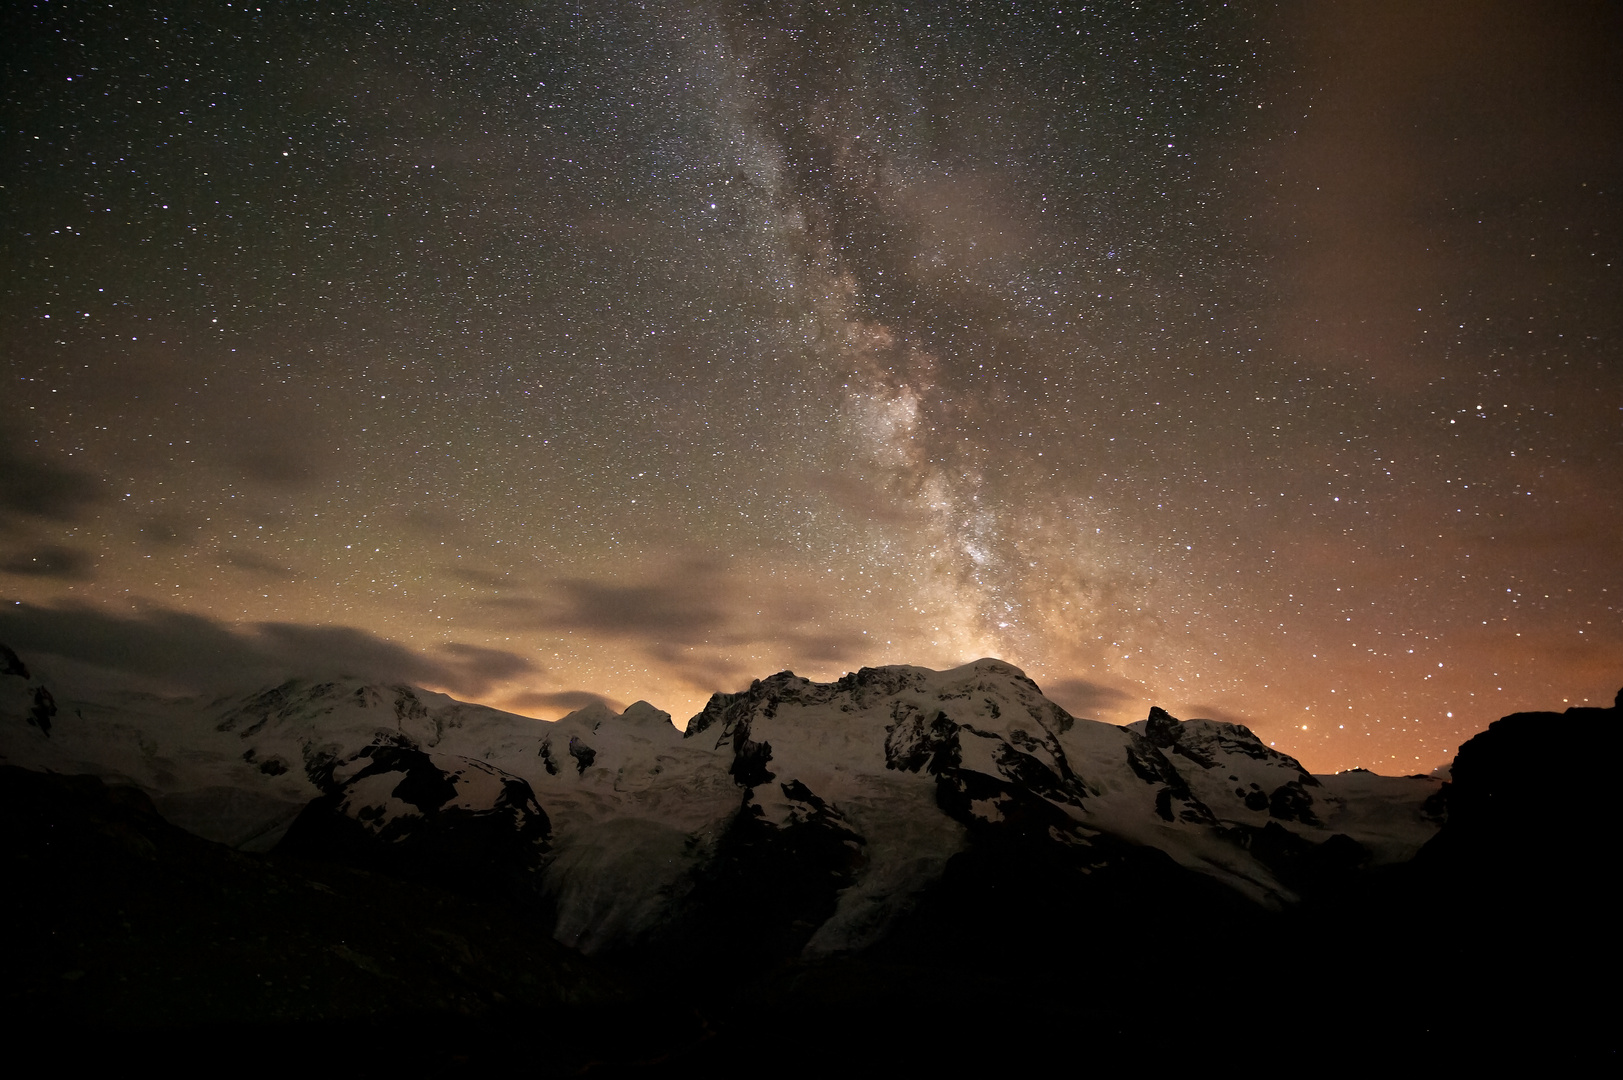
(457, 823)
(24, 696)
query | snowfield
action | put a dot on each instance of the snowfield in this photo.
(882, 776)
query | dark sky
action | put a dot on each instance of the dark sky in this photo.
(1258, 363)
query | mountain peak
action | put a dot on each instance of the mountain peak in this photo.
(589, 715)
(642, 713)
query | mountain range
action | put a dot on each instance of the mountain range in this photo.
(895, 847)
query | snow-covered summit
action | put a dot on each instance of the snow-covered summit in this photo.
(846, 800)
(910, 765)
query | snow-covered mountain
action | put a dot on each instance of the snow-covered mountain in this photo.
(831, 810)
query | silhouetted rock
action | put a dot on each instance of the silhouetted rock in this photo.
(457, 823)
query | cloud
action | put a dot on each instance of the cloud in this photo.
(185, 653)
(493, 664)
(491, 579)
(682, 610)
(695, 622)
(567, 700)
(685, 604)
(704, 670)
(52, 561)
(169, 529)
(1214, 712)
(258, 564)
(1081, 697)
(35, 487)
(276, 450)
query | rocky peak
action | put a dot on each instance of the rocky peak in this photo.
(1162, 728)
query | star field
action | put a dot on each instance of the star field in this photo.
(1260, 365)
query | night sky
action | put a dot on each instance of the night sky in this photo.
(1257, 362)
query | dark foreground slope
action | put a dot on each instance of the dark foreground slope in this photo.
(129, 939)
(1509, 919)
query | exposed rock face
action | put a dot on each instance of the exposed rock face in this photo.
(918, 768)
(1232, 772)
(458, 823)
(22, 695)
(793, 817)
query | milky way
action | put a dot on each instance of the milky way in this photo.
(1257, 365)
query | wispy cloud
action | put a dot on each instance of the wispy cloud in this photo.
(51, 561)
(183, 652)
(1083, 698)
(32, 486)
